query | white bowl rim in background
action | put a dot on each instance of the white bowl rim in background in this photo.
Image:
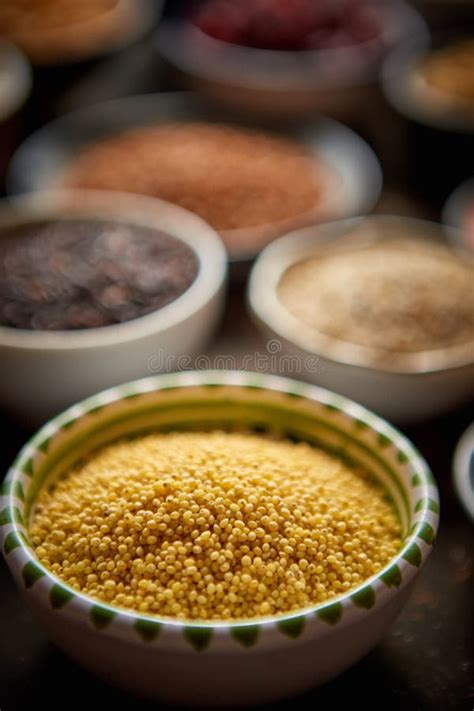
(146, 15)
(454, 210)
(15, 77)
(400, 94)
(281, 70)
(462, 465)
(294, 247)
(38, 161)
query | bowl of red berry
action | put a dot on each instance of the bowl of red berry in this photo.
(286, 56)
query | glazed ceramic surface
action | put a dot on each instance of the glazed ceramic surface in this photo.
(207, 663)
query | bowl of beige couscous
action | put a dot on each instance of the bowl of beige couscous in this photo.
(384, 307)
(252, 533)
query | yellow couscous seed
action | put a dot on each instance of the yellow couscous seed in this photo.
(243, 526)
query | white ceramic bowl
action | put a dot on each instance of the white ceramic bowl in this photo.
(283, 83)
(221, 663)
(463, 471)
(455, 214)
(357, 174)
(413, 98)
(15, 87)
(126, 22)
(417, 386)
(15, 80)
(44, 371)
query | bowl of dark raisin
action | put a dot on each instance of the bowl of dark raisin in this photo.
(98, 289)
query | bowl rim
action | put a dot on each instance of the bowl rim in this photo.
(344, 152)
(463, 462)
(400, 93)
(454, 210)
(174, 36)
(421, 533)
(19, 83)
(184, 226)
(146, 16)
(269, 313)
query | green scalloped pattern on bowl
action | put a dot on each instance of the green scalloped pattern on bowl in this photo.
(229, 401)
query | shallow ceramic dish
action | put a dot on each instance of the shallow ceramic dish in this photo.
(412, 387)
(284, 83)
(214, 663)
(463, 470)
(44, 371)
(358, 177)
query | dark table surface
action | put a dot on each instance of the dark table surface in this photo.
(426, 662)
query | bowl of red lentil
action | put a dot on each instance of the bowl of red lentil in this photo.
(96, 289)
(258, 533)
(384, 303)
(250, 182)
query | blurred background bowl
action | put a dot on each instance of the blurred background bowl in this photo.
(422, 385)
(68, 50)
(279, 83)
(358, 179)
(67, 38)
(438, 132)
(15, 87)
(458, 212)
(463, 470)
(45, 371)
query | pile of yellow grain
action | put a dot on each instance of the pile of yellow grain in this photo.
(214, 526)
